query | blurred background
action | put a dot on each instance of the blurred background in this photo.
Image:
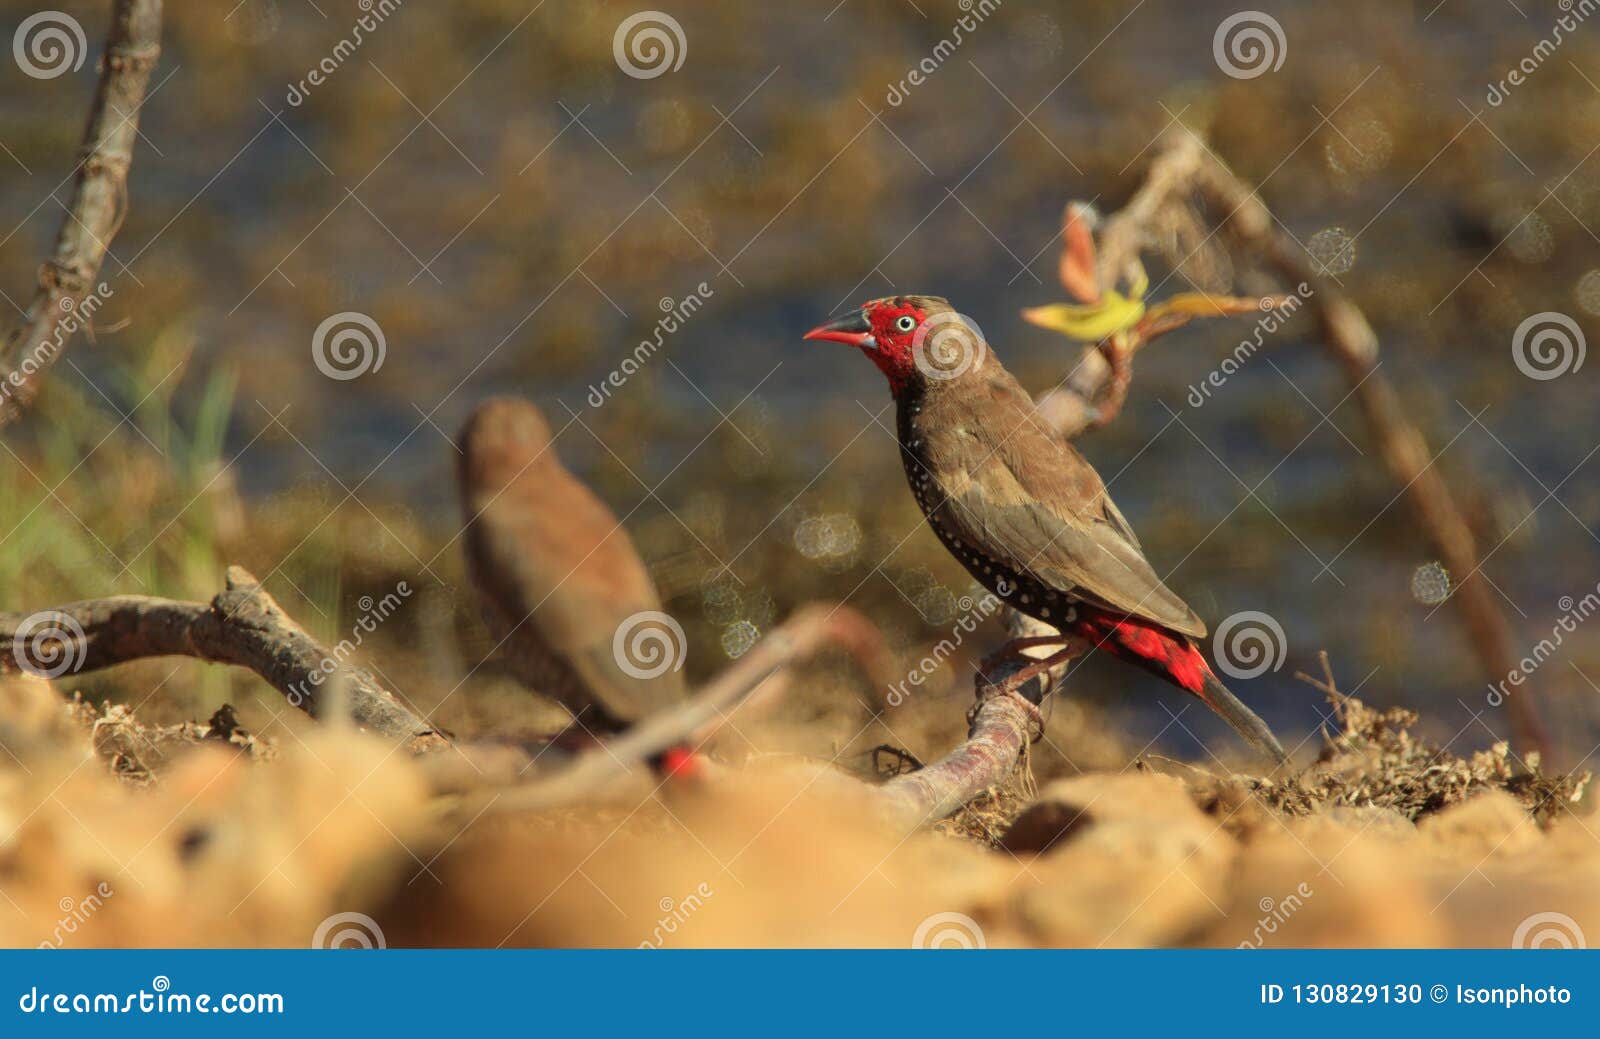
(487, 184)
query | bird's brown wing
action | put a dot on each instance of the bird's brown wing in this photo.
(1011, 485)
(554, 563)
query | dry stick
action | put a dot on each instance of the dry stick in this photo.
(94, 212)
(996, 738)
(243, 626)
(1186, 166)
(1353, 343)
(801, 635)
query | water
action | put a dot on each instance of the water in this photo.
(506, 246)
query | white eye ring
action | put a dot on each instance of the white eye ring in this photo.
(905, 323)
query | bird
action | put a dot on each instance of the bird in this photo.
(561, 587)
(1021, 509)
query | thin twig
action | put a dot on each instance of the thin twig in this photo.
(95, 212)
(800, 636)
(1185, 169)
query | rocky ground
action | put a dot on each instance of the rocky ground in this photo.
(126, 834)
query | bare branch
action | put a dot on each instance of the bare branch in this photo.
(1184, 169)
(1000, 729)
(243, 626)
(95, 212)
(811, 628)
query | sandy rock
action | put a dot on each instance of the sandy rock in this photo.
(1069, 806)
(1492, 823)
(1326, 885)
(1131, 862)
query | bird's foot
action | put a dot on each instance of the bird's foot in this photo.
(1019, 679)
(1007, 657)
(1013, 650)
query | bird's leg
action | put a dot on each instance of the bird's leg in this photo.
(1013, 649)
(1017, 679)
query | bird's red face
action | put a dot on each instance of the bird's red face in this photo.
(885, 330)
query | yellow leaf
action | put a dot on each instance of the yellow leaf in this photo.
(1088, 323)
(1202, 304)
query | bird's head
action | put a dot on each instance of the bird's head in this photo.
(913, 340)
(503, 437)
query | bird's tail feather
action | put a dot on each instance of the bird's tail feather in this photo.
(1178, 660)
(1244, 721)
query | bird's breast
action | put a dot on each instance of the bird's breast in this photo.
(925, 472)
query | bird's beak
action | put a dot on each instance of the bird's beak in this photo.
(852, 329)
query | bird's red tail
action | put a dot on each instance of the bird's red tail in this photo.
(1178, 660)
(1155, 649)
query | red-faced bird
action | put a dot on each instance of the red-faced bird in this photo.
(1019, 507)
(574, 609)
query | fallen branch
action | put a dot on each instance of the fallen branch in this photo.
(811, 628)
(243, 626)
(94, 213)
(1185, 168)
(999, 732)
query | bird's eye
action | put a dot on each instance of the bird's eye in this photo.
(905, 323)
